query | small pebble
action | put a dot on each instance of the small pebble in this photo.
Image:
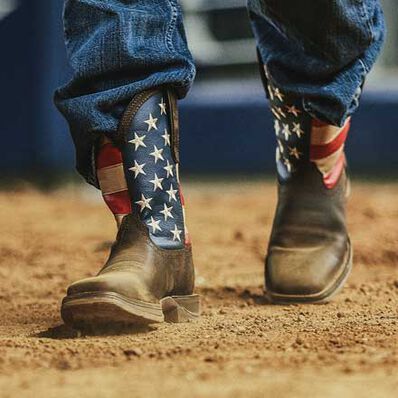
(299, 340)
(133, 352)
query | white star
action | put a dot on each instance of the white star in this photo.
(162, 106)
(278, 154)
(176, 233)
(278, 94)
(151, 122)
(293, 110)
(166, 212)
(286, 131)
(138, 141)
(277, 127)
(144, 203)
(155, 225)
(288, 165)
(157, 183)
(294, 152)
(279, 110)
(157, 154)
(297, 129)
(276, 114)
(172, 193)
(169, 169)
(166, 137)
(271, 94)
(280, 147)
(138, 169)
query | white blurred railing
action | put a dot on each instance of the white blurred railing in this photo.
(7, 7)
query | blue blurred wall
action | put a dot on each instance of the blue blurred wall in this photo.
(231, 123)
(32, 64)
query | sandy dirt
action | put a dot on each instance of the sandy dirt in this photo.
(241, 347)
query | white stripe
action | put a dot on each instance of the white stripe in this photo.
(111, 179)
(326, 164)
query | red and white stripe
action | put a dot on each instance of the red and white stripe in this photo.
(327, 150)
(112, 181)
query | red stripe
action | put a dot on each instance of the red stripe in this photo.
(319, 123)
(108, 155)
(188, 241)
(181, 196)
(323, 151)
(119, 202)
(330, 180)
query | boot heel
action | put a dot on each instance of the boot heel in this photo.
(178, 309)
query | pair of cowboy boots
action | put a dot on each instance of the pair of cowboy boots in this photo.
(149, 276)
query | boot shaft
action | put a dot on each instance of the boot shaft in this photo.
(138, 172)
(302, 139)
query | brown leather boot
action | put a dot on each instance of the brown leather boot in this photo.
(309, 255)
(149, 276)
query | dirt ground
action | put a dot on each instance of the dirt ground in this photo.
(241, 347)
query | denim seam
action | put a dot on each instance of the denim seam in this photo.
(369, 26)
(368, 23)
(169, 38)
(171, 27)
(366, 70)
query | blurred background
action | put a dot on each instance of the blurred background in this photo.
(228, 92)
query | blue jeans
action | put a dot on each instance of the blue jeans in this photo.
(320, 50)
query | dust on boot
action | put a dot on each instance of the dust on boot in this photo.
(149, 276)
(309, 255)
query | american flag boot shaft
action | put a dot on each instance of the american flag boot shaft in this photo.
(144, 176)
(150, 159)
(302, 139)
(149, 276)
(309, 255)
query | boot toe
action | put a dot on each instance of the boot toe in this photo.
(126, 284)
(306, 274)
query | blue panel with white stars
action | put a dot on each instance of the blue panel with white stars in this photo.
(152, 175)
(292, 128)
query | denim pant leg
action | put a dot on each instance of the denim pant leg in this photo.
(320, 50)
(118, 48)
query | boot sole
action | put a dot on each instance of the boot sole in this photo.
(105, 308)
(322, 297)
